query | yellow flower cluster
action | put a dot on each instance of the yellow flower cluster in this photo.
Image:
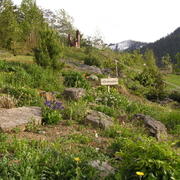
(140, 173)
(77, 159)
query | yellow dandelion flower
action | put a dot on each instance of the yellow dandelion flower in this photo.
(140, 173)
(77, 159)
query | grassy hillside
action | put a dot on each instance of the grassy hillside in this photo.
(64, 146)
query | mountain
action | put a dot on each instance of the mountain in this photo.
(166, 45)
(127, 45)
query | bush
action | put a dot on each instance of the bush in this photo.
(92, 60)
(24, 96)
(48, 52)
(175, 95)
(139, 153)
(75, 79)
(51, 116)
(75, 111)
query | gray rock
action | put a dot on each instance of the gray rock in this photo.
(155, 128)
(74, 93)
(83, 67)
(90, 69)
(19, 118)
(104, 167)
(99, 119)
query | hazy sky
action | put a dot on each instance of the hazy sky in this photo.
(119, 20)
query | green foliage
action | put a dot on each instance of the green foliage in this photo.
(51, 116)
(75, 79)
(45, 160)
(175, 95)
(139, 153)
(153, 81)
(30, 75)
(24, 96)
(75, 111)
(80, 138)
(92, 60)
(9, 30)
(107, 110)
(47, 54)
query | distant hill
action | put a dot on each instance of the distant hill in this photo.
(166, 45)
(127, 45)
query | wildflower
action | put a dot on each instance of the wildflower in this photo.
(140, 173)
(77, 159)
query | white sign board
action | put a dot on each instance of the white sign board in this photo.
(109, 81)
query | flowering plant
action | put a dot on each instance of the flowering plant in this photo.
(54, 105)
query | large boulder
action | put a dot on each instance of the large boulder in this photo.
(99, 119)
(74, 93)
(155, 128)
(19, 118)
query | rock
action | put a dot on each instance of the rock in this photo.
(82, 67)
(155, 128)
(48, 96)
(99, 119)
(90, 69)
(104, 167)
(7, 102)
(19, 118)
(165, 101)
(93, 77)
(74, 93)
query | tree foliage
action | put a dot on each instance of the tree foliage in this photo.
(48, 50)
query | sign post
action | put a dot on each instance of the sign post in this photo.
(109, 82)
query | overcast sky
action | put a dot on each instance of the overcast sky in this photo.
(119, 20)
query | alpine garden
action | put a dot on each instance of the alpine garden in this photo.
(129, 131)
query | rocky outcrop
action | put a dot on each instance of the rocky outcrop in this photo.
(155, 128)
(74, 93)
(99, 120)
(19, 118)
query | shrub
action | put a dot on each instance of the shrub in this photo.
(175, 95)
(92, 60)
(139, 153)
(51, 116)
(24, 96)
(75, 111)
(48, 52)
(75, 79)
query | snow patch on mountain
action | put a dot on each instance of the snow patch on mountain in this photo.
(127, 45)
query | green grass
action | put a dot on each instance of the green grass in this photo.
(173, 80)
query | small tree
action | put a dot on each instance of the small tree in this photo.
(48, 50)
(150, 59)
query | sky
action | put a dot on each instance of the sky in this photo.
(119, 20)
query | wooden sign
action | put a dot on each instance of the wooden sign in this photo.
(109, 81)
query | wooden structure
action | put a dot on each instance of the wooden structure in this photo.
(75, 42)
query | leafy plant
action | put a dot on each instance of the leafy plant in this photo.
(75, 79)
(51, 116)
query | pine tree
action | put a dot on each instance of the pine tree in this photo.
(48, 50)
